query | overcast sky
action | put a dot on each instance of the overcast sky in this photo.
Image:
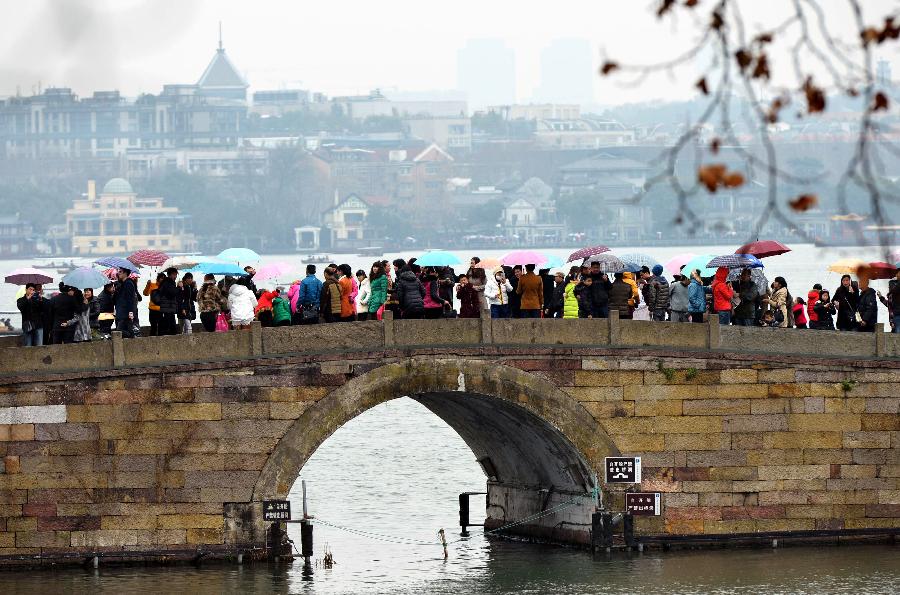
(338, 46)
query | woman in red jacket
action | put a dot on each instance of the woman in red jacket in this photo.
(722, 294)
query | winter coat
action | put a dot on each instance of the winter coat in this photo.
(348, 308)
(362, 298)
(294, 296)
(570, 301)
(696, 297)
(656, 293)
(868, 308)
(678, 297)
(846, 300)
(281, 310)
(469, 301)
(629, 279)
(478, 279)
(330, 298)
(779, 301)
(126, 298)
(811, 298)
(824, 315)
(148, 289)
(497, 293)
(107, 302)
(799, 311)
(310, 290)
(210, 298)
(65, 308)
(264, 303)
(559, 297)
(621, 297)
(722, 294)
(32, 312)
(585, 300)
(410, 292)
(531, 290)
(377, 293)
(748, 294)
(241, 304)
(600, 290)
(167, 294)
(432, 294)
(83, 324)
(187, 302)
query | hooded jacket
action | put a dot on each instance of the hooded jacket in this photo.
(748, 294)
(241, 303)
(678, 297)
(656, 293)
(210, 298)
(868, 308)
(722, 293)
(628, 277)
(410, 291)
(294, 296)
(824, 315)
(469, 301)
(570, 303)
(496, 293)
(378, 290)
(811, 298)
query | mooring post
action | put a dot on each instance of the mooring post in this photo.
(464, 514)
(596, 530)
(628, 529)
(306, 531)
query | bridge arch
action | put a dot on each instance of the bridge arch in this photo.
(524, 431)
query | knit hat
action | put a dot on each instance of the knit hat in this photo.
(657, 270)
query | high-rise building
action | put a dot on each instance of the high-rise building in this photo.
(567, 72)
(486, 72)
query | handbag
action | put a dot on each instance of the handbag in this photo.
(310, 312)
(221, 323)
(379, 314)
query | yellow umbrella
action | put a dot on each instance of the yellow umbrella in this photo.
(847, 266)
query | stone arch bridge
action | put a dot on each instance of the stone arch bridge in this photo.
(168, 445)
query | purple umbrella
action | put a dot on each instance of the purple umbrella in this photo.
(587, 253)
(27, 275)
(735, 261)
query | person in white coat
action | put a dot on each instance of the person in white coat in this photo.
(496, 292)
(362, 296)
(241, 303)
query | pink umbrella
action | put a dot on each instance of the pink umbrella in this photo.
(153, 258)
(523, 257)
(273, 271)
(112, 275)
(27, 275)
(676, 262)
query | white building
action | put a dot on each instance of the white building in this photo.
(449, 132)
(345, 222)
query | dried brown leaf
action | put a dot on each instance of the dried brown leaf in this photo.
(880, 102)
(761, 69)
(664, 7)
(733, 180)
(815, 97)
(711, 175)
(804, 202)
(608, 67)
(701, 84)
(691, 3)
(744, 58)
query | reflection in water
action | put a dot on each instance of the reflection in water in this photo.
(396, 471)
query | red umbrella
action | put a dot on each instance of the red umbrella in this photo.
(152, 258)
(878, 270)
(761, 249)
(587, 253)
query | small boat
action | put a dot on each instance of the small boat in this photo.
(316, 259)
(371, 251)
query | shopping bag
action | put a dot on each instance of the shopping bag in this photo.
(221, 323)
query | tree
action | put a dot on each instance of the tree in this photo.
(583, 211)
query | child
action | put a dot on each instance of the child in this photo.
(469, 300)
(583, 295)
(799, 309)
(768, 319)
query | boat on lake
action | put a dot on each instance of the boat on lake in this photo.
(316, 259)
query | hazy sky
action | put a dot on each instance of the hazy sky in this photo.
(338, 47)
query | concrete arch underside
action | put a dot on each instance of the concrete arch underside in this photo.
(538, 446)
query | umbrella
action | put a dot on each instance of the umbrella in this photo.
(675, 263)
(85, 277)
(152, 258)
(181, 262)
(488, 264)
(27, 275)
(640, 259)
(117, 263)
(523, 257)
(273, 271)
(587, 253)
(756, 275)
(736, 261)
(438, 258)
(609, 263)
(761, 249)
(631, 267)
(113, 275)
(879, 270)
(553, 262)
(700, 262)
(238, 255)
(217, 268)
(847, 266)
(895, 257)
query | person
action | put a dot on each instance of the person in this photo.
(363, 296)
(126, 303)
(107, 303)
(585, 297)
(570, 299)
(600, 287)
(210, 303)
(530, 290)
(293, 297)
(478, 279)
(378, 289)
(47, 313)
(251, 272)
(621, 296)
(811, 298)
(241, 303)
(446, 283)
(780, 301)
(747, 293)
(281, 308)
(867, 308)
(628, 277)
(722, 295)
(799, 311)
(433, 303)
(496, 291)
(83, 324)
(31, 306)
(515, 299)
(330, 296)
(310, 296)
(656, 293)
(696, 297)
(549, 284)
(65, 308)
(893, 302)
(263, 309)
(768, 319)
(410, 294)
(846, 299)
(153, 309)
(469, 302)
(187, 303)
(679, 299)
(167, 300)
(825, 311)
(553, 308)
(345, 280)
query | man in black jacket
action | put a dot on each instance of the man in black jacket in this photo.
(31, 305)
(167, 298)
(600, 287)
(868, 310)
(64, 307)
(410, 294)
(126, 303)
(187, 303)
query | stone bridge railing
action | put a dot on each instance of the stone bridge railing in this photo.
(399, 334)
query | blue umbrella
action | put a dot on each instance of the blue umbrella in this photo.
(217, 268)
(238, 255)
(115, 262)
(736, 261)
(553, 262)
(438, 258)
(700, 262)
(630, 267)
(85, 277)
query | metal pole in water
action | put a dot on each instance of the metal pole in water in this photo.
(303, 483)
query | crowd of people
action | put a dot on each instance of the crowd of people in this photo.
(410, 291)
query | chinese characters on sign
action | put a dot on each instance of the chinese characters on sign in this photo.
(623, 469)
(276, 510)
(643, 503)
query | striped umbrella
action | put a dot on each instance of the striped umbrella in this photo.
(587, 253)
(113, 275)
(735, 261)
(150, 258)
